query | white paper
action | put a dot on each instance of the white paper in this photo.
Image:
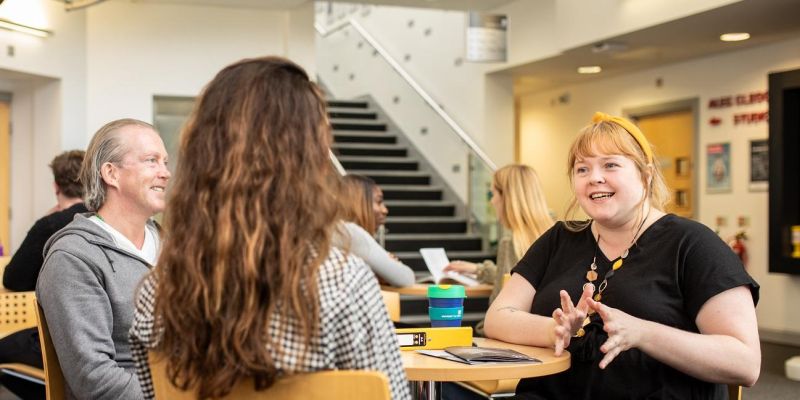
(436, 259)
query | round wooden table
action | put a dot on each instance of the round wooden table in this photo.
(427, 370)
(421, 289)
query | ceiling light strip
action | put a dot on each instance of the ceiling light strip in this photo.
(17, 27)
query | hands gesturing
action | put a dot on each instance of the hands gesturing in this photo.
(624, 331)
(568, 319)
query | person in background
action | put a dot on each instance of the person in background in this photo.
(665, 309)
(94, 265)
(522, 210)
(364, 211)
(364, 202)
(23, 269)
(248, 273)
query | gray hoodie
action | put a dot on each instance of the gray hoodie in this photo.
(87, 288)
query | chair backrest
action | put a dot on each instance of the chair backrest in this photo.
(3, 262)
(392, 301)
(325, 385)
(53, 377)
(17, 311)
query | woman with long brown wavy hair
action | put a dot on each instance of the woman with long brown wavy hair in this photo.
(248, 284)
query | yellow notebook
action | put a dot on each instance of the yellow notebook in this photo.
(433, 338)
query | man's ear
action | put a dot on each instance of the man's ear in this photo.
(56, 188)
(110, 174)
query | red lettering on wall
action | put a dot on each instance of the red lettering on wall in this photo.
(752, 98)
(750, 118)
(720, 102)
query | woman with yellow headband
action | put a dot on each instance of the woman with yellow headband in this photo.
(664, 310)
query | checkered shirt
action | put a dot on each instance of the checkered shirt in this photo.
(355, 331)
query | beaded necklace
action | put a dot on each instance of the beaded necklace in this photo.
(591, 274)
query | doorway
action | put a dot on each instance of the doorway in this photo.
(5, 175)
(671, 129)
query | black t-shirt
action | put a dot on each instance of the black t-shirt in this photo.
(674, 268)
(23, 268)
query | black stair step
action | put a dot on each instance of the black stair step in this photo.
(401, 208)
(378, 163)
(394, 178)
(369, 150)
(352, 115)
(414, 260)
(356, 126)
(418, 305)
(419, 320)
(363, 138)
(347, 104)
(426, 225)
(450, 242)
(411, 192)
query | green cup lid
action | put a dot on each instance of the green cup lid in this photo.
(446, 292)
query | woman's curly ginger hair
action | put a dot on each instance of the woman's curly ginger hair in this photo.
(248, 223)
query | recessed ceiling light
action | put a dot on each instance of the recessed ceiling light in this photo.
(734, 36)
(589, 69)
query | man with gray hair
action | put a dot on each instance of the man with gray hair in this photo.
(94, 265)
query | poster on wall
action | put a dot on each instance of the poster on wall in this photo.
(759, 165)
(718, 178)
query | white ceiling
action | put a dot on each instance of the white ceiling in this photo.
(695, 36)
(289, 4)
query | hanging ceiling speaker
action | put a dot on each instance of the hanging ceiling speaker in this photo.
(71, 5)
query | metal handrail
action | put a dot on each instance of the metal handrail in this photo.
(414, 85)
(337, 163)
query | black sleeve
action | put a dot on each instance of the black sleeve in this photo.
(23, 268)
(533, 264)
(709, 268)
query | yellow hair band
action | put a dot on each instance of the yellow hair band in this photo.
(631, 128)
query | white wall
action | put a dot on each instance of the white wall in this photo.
(108, 61)
(547, 131)
(137, 50)
(46, 77)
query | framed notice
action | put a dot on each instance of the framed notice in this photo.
(759, 165)
(486, 37)
(718, 175)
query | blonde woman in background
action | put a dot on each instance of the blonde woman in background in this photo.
(522, 210)
(364, 212)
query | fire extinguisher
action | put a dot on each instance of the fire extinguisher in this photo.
(738, 246)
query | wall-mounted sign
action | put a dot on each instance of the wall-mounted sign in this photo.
(718, 175)
(739, 100)
(759, 165)
(750, 118)
(486, 37)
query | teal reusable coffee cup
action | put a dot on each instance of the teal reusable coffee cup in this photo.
(446, 305)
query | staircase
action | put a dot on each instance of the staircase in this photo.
(423, 210)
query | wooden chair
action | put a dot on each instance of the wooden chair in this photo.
(17, 312)
(3, 262)
(53, 377)
(326, 385)
(392, 301)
